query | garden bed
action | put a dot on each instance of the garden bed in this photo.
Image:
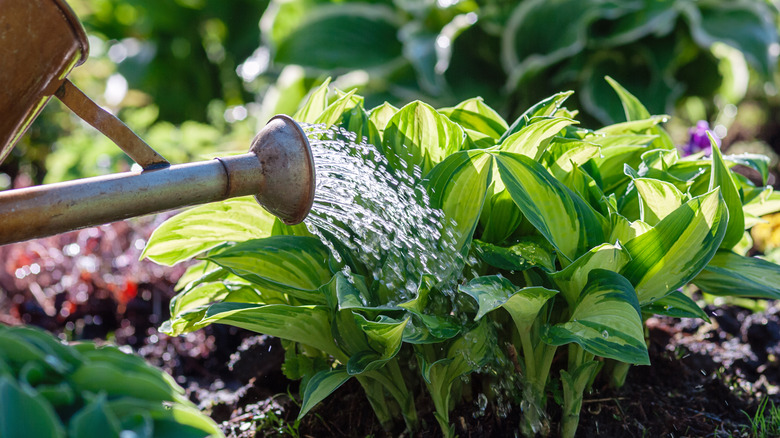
(705, 379)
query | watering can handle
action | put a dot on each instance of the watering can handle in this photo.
(110, 126)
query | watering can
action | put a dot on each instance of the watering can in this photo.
(41, 41)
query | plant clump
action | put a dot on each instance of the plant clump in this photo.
(563, 241)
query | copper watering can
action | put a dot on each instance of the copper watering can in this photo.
(41, 41)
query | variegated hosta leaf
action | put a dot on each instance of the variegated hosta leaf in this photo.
(574, 386)
(605, 322)
(534, 138)
(294, 265)
(720, 176)
(729, 274)
(315, 104)
(381, 115)
(334, 111)
(500, 216)
(545, 108)
(465, 355)
(481, 123)
(759, 163)
(417, 135)
(676, 305)
(528, 253)
(766, 203)
(384, 338)
(561, 216)
(494, 291)
(209, 293)
(623, 230)
(632, 107)
(457, 186)
(633, 127)
(571, 281)
(565, 154)
(308, 325)
(657, 199)
(669, 255)
(424, 328)
(320, 386)
(191, 232)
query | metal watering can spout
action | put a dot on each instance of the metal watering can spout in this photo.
(278, 170)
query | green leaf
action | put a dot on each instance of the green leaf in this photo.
(631, 105)
(720, 176)
(729, 274)
(309, 325)
(561, 157)
(169, 421)
(199, 229)
(494, 291)
(744, 25)
(605, 322)
(623, 230)
(335, 111)
(381, 115)
(559, 29)
(97, 377)
(572, 280)
(358, 35)
(545, 108)
(23, 413)
(560, 215)
(480, 122)
(529, 253)
(385, 339)
(320, 386)
(287, 264)
(676, 305)
(533, 139)
(633, 127)
(657, 199)
(759, 163)
(669, 255)
(500, 216)
(457, 186)
(94, 419)
(766, 203)
(419, 136)
(315, 104)
(205, 294)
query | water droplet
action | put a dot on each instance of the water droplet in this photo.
(605, 334)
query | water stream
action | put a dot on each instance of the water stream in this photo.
(383, 217)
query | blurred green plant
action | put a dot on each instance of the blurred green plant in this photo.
(52, 390)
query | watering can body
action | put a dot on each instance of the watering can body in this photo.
(41, 41)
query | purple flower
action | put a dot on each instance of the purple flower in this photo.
(698, 140)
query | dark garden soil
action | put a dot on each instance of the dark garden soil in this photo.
(705, 378)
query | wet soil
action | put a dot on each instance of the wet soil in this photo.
(706, 379)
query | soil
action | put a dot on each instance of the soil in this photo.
(706, 379)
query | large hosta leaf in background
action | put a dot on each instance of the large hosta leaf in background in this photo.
(606, 320)
(457, 186)
(199, 229)
(670, 254)
(356, 36)
(731, 274)
(561, 216)
(742, 24)
(290, 264)
(559, 29)
(417, 135)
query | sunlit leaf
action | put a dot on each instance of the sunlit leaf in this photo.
(676, 305)
(417, 135)
(196, 230)
(720, 176)
(669, 255)
(571, 281)
(526, 254)
(523, 304)
(729, 274)
(320, 386)
(546, 108)
(315, 104)
(606, 320)
(533, 139)
(560, 215)
(657, 199)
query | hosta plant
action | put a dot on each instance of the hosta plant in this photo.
(52, 390)
(560, 242)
